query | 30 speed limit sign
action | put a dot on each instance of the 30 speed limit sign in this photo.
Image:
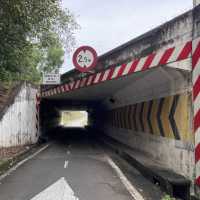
(85, 58)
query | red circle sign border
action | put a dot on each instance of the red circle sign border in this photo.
(83, 48)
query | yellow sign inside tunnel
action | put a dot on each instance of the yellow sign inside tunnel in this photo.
(167, 117)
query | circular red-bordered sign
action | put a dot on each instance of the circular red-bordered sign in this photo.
(85, 58)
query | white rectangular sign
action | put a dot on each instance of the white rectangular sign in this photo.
(51, 79)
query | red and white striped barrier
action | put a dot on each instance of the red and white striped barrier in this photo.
(196, 103)
(141, 64)
(37, 113)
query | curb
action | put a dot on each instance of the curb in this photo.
(154, 175)
(8, 164)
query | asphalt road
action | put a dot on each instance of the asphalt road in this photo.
(74, 167)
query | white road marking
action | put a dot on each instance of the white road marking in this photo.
(66, 164)
(131, 189)
(22, 162)
(60, 190)
(68, 152)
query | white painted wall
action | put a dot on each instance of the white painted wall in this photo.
(18, 125)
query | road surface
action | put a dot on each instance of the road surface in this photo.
(72, 168)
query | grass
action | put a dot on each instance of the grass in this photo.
(167, 197)
(4, 165)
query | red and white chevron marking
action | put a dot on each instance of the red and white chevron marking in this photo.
(170, 55)
(196, 103)
(37, 113)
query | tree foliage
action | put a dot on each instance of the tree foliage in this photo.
(33, 37)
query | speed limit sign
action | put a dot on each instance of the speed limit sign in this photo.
(85, 58)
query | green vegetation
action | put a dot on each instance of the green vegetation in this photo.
(34, 36)
(167, 197)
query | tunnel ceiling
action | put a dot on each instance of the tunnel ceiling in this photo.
(107, 89)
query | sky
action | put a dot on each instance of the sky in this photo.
(106, 24)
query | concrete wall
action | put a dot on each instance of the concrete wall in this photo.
(164, 132)
(166, 117)
(49, 117)
(18, 124)
(176, 153)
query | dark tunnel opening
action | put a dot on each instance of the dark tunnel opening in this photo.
(68, 119)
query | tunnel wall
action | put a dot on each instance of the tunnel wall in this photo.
(166, 117)
(49, 117)
(155, 120)
(18, 124)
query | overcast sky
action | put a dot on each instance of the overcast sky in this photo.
(106, 24)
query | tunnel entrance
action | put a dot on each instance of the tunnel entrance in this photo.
(73, 118)
(146, 114)
(58, 115)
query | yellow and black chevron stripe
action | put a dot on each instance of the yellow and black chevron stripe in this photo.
(166, 117)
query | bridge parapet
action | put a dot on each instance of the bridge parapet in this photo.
(171, 34)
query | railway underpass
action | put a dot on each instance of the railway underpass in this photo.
(142, 102)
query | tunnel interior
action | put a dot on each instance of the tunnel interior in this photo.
(110, 102)
(66, 115)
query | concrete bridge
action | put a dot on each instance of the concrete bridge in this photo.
(142, 100)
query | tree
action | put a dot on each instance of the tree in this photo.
(33, 37)
(52, 53)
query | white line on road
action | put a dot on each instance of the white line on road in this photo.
(66, 164)
(22, 162)
(131, 189)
